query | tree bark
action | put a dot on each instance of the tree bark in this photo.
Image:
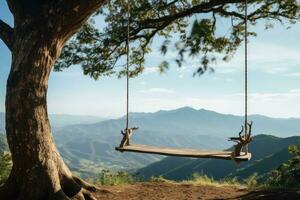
(39, 172)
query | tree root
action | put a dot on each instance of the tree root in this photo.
(60, 195)
(85, 184)
(72, 188)
(84, 195)
(86, 190)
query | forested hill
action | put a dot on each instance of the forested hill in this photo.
(268, 152)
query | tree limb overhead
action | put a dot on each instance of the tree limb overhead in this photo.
(100, 52)
(6, 34)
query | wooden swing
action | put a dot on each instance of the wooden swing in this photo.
(242, 141)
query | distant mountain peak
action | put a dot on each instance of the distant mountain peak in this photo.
(180, 111)
(185, 108)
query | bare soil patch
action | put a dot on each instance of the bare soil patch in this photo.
(169, 191)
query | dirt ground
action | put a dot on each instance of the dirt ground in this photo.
(168, 191)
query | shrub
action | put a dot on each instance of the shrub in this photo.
(287, 175)
(5, 167)
(106, 177)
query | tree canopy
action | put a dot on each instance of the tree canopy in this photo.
(193, 22)
(287, 175)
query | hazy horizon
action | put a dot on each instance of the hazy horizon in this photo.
(107, 117)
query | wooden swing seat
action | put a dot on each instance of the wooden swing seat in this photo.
(194, 153)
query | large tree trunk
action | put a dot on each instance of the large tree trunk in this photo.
(39, 172)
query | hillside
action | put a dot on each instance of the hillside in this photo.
(2, 122)
(264, 165)
(89, 147)
(3, 144)
(268, 153)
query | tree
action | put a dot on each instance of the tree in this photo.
(42, 28)
(287, 175)
(99, 53)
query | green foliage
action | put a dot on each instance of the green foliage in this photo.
(287, 175)
(5, 167)
(101, 53)
(108, 178)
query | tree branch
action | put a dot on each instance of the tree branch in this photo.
(6, 34)
(201, 8)
(77, 10)
(11, 6)
(57, 17)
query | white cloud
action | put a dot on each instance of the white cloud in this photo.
(278, 70)
(279, 96)
(297, 90)
(293, 74)
(158, 90)
(150, 70)
(280, 104)
(273, 53)
(269, 58)
(142, 83)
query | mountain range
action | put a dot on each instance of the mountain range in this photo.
(93, 144)
(88, 147)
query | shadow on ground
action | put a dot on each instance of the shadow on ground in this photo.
(271, 195)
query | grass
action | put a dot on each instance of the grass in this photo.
(121, 178)
(202, 179)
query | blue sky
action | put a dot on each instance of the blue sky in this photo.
(274, 81)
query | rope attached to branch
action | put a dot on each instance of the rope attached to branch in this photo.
(127, 65)
(246, 71)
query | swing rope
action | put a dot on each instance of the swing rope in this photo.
(246, 72)
(127, 65)
(242, 141)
